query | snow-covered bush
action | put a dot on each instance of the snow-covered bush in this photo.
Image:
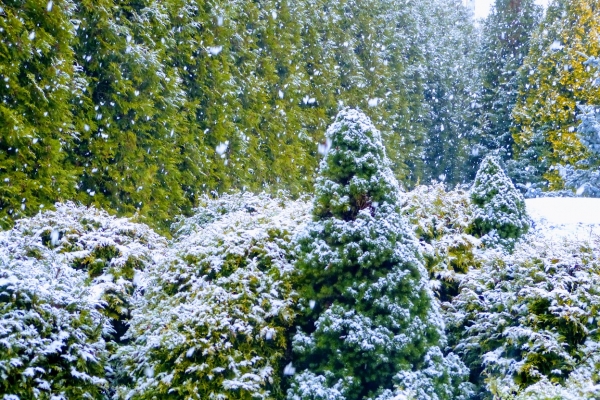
(500, 217)
(369, 325)
(53, 317)
(212, 321)
(110, 252)
(531, 318)
(440, 220)
(66, 285)
(51, 335)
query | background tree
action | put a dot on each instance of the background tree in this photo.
(552, 81)
(505, 44)
(449, 79)
(131, 145)
(584, 177)
(36, 71)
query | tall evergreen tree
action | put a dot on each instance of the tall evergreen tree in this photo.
(36, 70)
(552, 81)
(505, 44)
(130, 142)
(449, 85)
(584, 177)
(370, 325)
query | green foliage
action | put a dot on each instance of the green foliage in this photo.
(552, 81)
(212, 321)
(130, 147)
(500, 216)
(369, 326)
(142, 107)
(584, 176)
(448, 83)
(36, 71)
(51, 343)
(68, 278)
(53, 328)
(505, 44)
(441, 221)
(527, 324)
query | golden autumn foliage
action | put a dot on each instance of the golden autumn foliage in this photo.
(553, 81)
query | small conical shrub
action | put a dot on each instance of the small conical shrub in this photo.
(500, 216)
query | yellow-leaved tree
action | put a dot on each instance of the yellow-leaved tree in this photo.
(553, 82)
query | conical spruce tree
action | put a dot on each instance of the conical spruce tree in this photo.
(500, 216)
(36, 69)
(370, 327)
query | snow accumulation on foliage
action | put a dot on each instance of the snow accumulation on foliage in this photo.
(369, 325)
(93, 306)
(499, 217)
(526, 323)
(212, 321)
(440, 220)
(66, 282)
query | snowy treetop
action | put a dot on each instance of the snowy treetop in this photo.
(355, 173)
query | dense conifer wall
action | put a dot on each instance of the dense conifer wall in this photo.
(141, 107)
(130, 144)
(36, 75)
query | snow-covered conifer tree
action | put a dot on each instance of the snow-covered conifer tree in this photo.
(500, 215)
(584, 176)
(369, 324)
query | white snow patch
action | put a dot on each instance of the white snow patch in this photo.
(565, 216)
(289, 370)
(374, 102)
(323, 148)
(556, 46)
(214, 50)
(222, 148)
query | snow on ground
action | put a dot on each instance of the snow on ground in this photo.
(577, 218)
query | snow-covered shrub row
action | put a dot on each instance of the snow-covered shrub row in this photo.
(440, 220)
(212, 321)
(527, 323)
(66, 282)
